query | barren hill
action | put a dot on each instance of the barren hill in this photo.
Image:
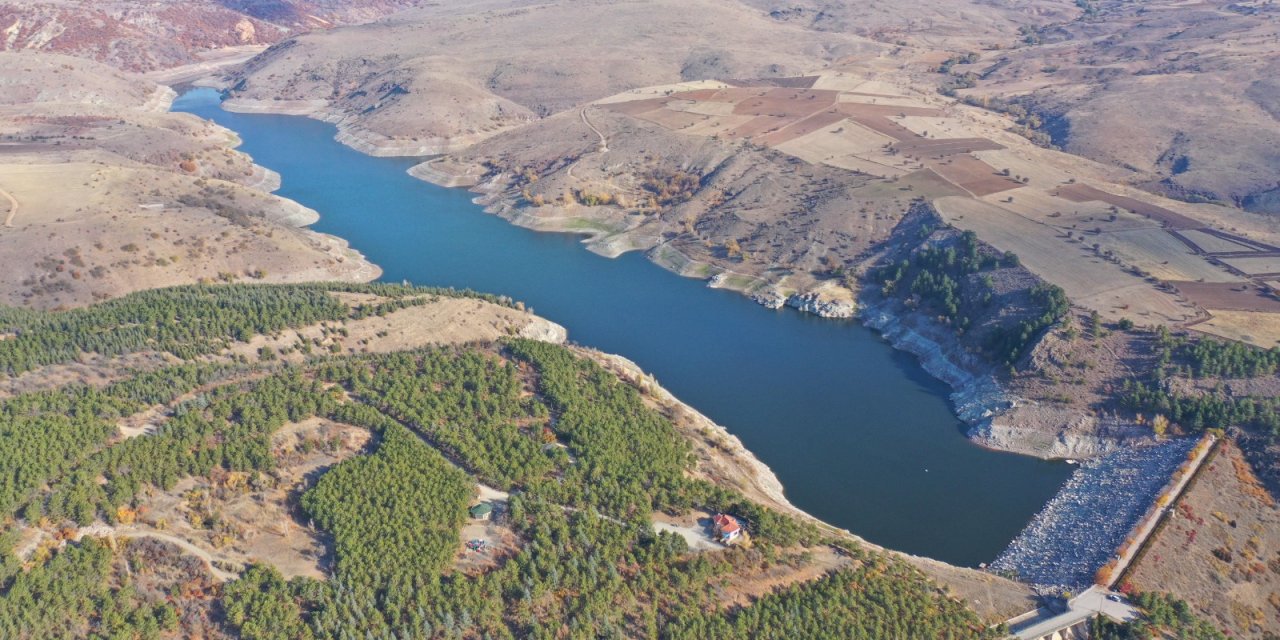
(157, 34)
(1180, 94)
(103, 192)
(942, 24)
(1176, 96)
(442, 77)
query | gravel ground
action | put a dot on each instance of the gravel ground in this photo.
(1081, 527)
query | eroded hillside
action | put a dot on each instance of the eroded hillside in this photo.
(1179, 96)
(159, 34)
(440, 78)
(105, 192)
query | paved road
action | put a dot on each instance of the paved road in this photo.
(1083, 607)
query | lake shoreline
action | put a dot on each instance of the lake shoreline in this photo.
(724, 460)
(977, 395)
(853, 510)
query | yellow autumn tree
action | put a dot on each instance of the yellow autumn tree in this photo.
(1159, 425)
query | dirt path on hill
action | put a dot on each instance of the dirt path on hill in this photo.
(130, 532)
(604, 142)
(13, 207)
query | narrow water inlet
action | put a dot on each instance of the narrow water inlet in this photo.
(858, 433)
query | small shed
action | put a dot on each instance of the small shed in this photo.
(482, 511)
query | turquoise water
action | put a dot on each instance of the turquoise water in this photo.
(858, 433)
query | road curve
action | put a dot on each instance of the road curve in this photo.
(604, 142)
(104, 530)
(13, 207)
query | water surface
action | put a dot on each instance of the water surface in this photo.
(859, 434)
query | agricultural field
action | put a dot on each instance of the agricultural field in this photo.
(1089, 279)
(1113, 250)
(1252, 327)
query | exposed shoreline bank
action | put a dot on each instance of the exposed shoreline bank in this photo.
(997, 418)
(291, 213)
(358, 138)
(991, 412)
(994, 415)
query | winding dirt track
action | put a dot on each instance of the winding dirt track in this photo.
(604, 142)
(13, 208)
(129, 532)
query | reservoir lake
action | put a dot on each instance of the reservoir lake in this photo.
(857, 432)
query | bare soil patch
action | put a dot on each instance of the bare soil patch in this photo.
(758, 126)
(500, 542)
(946, 146)
(815, 122)
(1083, 193)
(973, 175)
(792, 82)
(1261, 265)
(1212, 243)
(236, 522)
(1242, 296)
(755, 578)
(695, 527)
(787, 103)
(443, 320)
(1257, 328)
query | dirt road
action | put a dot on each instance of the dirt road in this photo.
(604, 142)
(1148, 525)
(105, 530)
(212, 62)
(13, 208)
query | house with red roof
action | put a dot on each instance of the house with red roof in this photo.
(727, 528)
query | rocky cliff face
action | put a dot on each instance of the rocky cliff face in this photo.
(976, 394)
(827, 302)
(1007, 412)
(998, 417)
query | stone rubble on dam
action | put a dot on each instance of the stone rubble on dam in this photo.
(1080, 529)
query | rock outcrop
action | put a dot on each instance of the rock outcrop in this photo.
(976, 394)
(821, 302)
(997, 417)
